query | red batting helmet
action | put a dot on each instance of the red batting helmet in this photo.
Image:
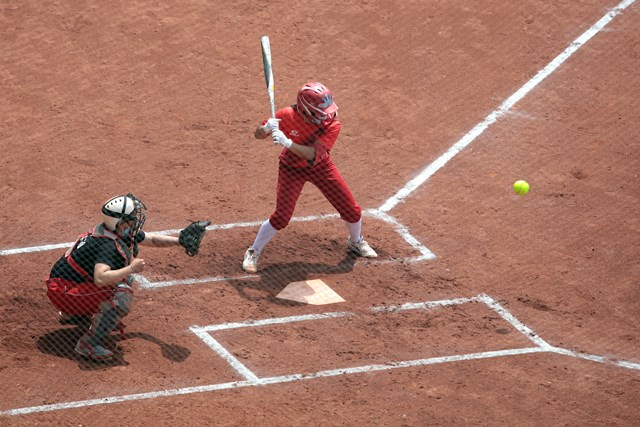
(315, 101)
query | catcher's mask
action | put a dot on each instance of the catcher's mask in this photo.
(121, 209)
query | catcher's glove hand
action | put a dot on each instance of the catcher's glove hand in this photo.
(191, 236)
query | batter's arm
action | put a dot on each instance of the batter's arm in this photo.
(307, 153)
(260, 133)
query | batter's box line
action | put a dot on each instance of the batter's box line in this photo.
(403, 231)
(251, 380)
(204, 333)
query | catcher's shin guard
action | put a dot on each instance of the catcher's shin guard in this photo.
(110, 315)
(102, 324)
(89, 345)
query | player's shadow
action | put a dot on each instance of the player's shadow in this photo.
(173, 352)
(275, 277)
(61, 343)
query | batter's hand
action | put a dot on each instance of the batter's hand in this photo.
(280, 138)
(271, 125)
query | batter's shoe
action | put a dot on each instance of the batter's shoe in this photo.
(93, 352)
(250, 263)
(361, 248)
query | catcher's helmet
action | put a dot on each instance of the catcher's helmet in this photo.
(315, 101)
(124, 208)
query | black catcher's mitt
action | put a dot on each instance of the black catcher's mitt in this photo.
(191, 236)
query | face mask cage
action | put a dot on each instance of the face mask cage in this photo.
(138, 215)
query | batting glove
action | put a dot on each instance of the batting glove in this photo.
(271, 125)
(280, 138)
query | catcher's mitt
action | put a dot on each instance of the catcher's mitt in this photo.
(191, 236)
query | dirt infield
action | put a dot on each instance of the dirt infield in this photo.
(530, 313)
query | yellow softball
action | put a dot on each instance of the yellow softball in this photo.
(521, 187)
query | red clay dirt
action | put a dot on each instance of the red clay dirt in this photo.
(104, 98)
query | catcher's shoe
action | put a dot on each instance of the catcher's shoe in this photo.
(361, 248)
(93, 352)
(250, 263)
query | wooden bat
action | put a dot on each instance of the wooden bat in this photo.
(268, 72)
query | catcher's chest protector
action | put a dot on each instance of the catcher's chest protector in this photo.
(80, 251)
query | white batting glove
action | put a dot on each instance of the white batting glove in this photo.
(271, 125)
(280, 138)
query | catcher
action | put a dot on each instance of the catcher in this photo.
(93, 279)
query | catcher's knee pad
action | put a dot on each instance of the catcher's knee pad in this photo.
(122, 299)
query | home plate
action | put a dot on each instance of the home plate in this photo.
(314, 292)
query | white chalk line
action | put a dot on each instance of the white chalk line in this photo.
(272, 321)
(252, 380)
(595, 358)
(225, 354)
(145, 283)
(525, 330)
(265, 381)
(404, 233)
(427, 305)
(399, 228)
(212, 227)
(432, 168)
(387, 206)
(477, 130)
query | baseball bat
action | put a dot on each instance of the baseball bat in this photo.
(268, 72)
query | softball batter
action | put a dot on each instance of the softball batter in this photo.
(307, 131)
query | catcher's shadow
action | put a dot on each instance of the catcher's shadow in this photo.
(276, 277)
(61, 343)
(173, 352)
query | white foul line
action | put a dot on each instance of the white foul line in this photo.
(595, 358)
(416, 182)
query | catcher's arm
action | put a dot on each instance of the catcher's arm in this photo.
(159, 240)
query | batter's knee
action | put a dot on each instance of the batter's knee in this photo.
(352, 215)
(279, 222)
